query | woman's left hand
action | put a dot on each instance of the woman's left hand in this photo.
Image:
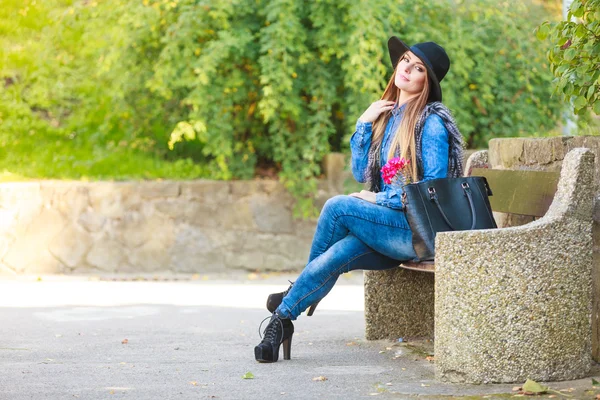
(365, 195)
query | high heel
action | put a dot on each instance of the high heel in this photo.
(279, 331)
(275, 299)
(311, 310)
(287, 348)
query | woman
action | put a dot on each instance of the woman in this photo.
(368, 230)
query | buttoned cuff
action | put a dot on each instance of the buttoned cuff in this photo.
(364, 128)
(389, 198)
(381, 198)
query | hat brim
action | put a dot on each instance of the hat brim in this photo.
(397, 48)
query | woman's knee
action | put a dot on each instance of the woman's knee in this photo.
(337, 204)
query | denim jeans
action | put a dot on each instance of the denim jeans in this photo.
(351, 234)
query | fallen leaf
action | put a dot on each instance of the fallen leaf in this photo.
(424, 385)
(595, 382)
(403, 369)
(112, 392)
(351, 344)
(517, 388)
(194, 383)
(598, 396)
(381, 351)
(124, 341)
(248, 375)
(552, 396)
(430, 358)
(320, 378)
(533, 387)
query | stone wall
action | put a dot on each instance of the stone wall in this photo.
(547, 154)
(140, 227)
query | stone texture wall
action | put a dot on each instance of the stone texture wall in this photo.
(140, 227)
(547, 154)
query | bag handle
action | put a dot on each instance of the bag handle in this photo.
(433, 197)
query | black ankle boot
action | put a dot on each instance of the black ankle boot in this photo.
(275, 299)
(278, 332)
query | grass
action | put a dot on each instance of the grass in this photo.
(52, 157)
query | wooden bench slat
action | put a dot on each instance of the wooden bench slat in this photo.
(424, 266)
(520, 192)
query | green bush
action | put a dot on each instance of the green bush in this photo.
(575, 55)
(63, 111)
(120, 88)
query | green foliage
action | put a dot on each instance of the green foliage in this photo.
(63, 97)
(575, 55)
(499, 84)
(198, 88)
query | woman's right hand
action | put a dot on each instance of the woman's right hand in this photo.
(375, 109)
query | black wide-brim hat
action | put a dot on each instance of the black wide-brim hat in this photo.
(432, 55)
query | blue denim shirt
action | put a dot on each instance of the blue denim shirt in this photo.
(434, 147)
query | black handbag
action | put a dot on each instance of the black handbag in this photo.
(445, 204)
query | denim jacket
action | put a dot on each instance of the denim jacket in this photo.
(434, 147)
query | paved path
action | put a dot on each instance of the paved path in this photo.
(62, 338)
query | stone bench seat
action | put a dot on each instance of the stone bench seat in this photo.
(504, 305)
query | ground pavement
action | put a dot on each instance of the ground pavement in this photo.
(134, 337)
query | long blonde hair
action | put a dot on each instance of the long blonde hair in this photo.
(404, 137)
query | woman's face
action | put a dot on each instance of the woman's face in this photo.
(411, 74)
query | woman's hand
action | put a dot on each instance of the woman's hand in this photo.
(375, 109)
(365, 195)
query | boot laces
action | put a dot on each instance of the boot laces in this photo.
(270, 332)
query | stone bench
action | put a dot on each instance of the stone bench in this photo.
(508, 304)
